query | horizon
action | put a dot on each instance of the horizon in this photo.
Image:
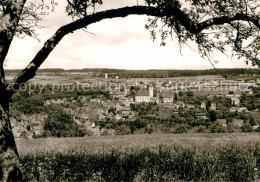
(253, 68)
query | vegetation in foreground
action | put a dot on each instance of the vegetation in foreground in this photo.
(224, 163)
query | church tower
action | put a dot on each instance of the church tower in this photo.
(151, 91)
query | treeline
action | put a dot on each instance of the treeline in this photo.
(151, 73)
(179, 73)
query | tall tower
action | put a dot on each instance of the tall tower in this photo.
(151, 91)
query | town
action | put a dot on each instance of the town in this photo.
(110, 105)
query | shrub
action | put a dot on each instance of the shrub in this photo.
(201, 129)
(181, 129)
(247, 127)
(59, 124)
(217, 128)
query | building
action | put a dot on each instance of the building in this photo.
(119, 94)
(203, 106)
(238, 123)
(238, 109)
(223, 122)
(248, 91)
(37, 127)
(256, 127)
(168, 98)
(154, 100)
(235, 101)
(201, 116)
(180, 104)
(142, 96)
(151, 91)
(213, 107)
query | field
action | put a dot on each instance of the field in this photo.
(185, 157)
(94, 144)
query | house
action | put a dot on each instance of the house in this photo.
(154, 100)
(126, 112)
(189, 106)
(180, 104)
(83, 100)
(203, 106)
(238, 109)
(37, 127)
(101, 117)
(238, 123)
(118, 93)
(127, 102)
(213, 107)
(223, 122)
(68, 111)
(248, 91)
(118, 106)
(13, 121)
(258, 81)
(118, 117)
(131, 115)
(168, 98)
(47, 103)
(201, 116)
(60, 101)
(142, 96)
(106, 105)
(235, 101)
(53, 101)
(125, 108)
(256, 127)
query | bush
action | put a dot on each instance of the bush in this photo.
(59, 124)
(181, 129)
(201, 129)
(136, 124)
(247, 127)
(122, 130)
(217, 128)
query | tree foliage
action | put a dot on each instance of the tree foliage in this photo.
(225, 26)
(59, 124)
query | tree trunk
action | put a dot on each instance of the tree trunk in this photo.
(9, 158)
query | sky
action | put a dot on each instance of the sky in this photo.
(121, 43)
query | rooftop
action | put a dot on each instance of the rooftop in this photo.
(142, 93)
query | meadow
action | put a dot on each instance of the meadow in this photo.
(161, 157)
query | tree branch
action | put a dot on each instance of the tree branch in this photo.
(30, 71)
(226, 19)
(8, 24)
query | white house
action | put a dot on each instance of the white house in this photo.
(238, 109)
(203, 106)
(167, 98)
(213, 107)
(142, 96)
(235, 101)
(238, 123)
(201, 116)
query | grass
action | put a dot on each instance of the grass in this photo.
(95, 144)
(185, 157)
